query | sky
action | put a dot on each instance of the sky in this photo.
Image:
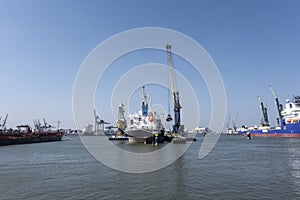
(254, 44)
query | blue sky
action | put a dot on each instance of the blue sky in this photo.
(43, 43)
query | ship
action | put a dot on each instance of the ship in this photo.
(288, 121)
(25, 134)
(144, 123)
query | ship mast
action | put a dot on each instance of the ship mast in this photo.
(175, 94)
(265, 113)
(279, 106)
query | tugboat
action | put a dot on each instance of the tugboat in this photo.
(288, 121)
(24, 134)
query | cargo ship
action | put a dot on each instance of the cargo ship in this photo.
(143, 124)
(24, 134)
(288, 121)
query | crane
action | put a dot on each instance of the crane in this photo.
(228, 123)
(99, 123)
(265, 112)
(234, 123)
(175, 94)
(4, 121)
(121, 123)
(279, 106)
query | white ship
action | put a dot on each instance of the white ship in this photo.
(143, 124)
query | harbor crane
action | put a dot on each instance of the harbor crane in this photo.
(175, 94)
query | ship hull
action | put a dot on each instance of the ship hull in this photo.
(278, 135)
(139, 136)
(287, 131)
(13, 140)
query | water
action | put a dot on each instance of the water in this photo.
(262, 168)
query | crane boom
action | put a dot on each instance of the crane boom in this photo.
(4, 122)
(264, 112)
(174, 92)
(279, 106)
(170, 61)
(273, 93)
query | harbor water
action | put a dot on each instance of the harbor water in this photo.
(237, 168)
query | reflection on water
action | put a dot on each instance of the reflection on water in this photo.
(139, 158)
